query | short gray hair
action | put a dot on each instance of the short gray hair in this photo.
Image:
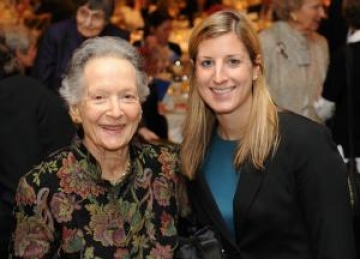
(284, 8)
(18, 37)
(73, 87)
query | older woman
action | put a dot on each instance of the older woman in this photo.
(59, 42)
(105, 196)
(296, 57)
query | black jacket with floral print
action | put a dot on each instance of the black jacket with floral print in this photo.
(63, 206)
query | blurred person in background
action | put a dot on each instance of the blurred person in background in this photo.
(61, 39)
(159, 54)
(344, 99)
(336, 87)
(296, 56)
(21, 45)
(106, 195)
(8, 63)
(34, 123)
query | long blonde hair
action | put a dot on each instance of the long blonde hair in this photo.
(261, 134)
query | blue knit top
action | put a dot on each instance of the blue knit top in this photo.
(222, 176)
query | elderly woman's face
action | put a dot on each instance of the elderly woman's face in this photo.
(89, 22)
(309, 16)
(110, 111)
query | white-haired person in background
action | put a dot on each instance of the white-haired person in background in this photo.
(21, 44)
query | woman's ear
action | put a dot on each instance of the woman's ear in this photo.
(75, 114)
(256, 71)
(293, 17)
(256, 68)
(141, 115)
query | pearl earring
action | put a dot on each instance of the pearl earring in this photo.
(293, 17)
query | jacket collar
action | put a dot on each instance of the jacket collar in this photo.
(208, 205)
(247, 190)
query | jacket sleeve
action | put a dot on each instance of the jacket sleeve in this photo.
(321, 179)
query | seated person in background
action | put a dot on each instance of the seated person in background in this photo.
(159, 54)
(61, 39)
(106, 195)
(34, 123)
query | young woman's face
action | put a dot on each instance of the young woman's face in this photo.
(90, 23)
(225, 74)
(110, 111)
(309, 16)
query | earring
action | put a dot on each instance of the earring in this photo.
(76, 120)
(293, 17)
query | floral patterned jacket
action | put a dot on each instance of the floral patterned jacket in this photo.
(64, 208)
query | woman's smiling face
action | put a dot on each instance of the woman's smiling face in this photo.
(90, 23)
(110, 111)
(225, 74)
(309, 16)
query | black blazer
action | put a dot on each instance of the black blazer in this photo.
(298, 207)
(34, 123)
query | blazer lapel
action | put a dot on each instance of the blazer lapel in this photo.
(249, 185)
(208, 205)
